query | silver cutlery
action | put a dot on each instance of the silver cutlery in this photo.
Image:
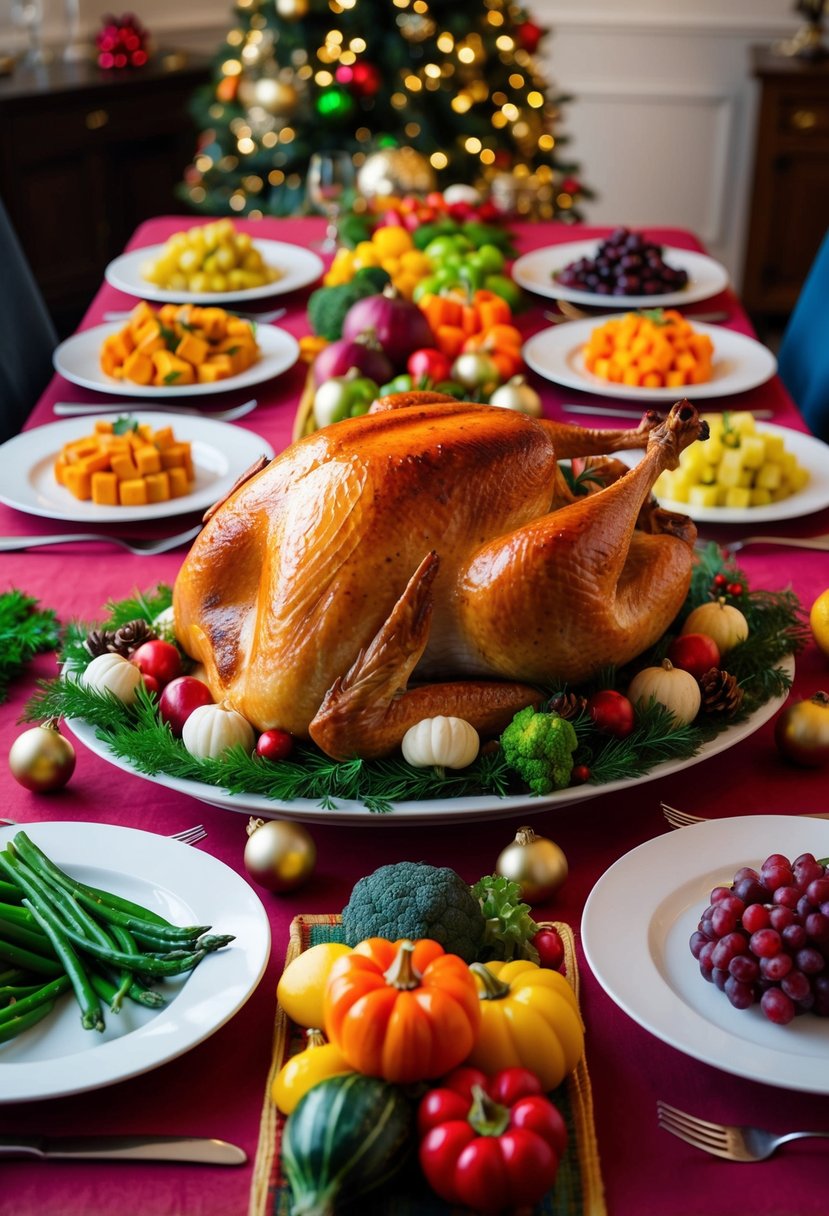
(190, 835)
(263, 318)
(613, 412)
(723, 1139)
(198, 1149)
(791, 542)
(143, 546)
(681, 819)
(69, 409)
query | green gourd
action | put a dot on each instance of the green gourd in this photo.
(347, 1135)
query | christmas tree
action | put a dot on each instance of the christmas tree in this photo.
(457, 83)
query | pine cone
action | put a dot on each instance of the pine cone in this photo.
(721, 694)
(99, 641)
(130, 636)
(568, 704)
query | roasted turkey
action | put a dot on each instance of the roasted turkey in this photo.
(428, 558)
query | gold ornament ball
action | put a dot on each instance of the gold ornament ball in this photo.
(292, 10)
(41, 759)
(537, 864)
(395, 171)
(271, 94)
(279, 855)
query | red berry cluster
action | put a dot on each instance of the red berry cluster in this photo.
(122, 43)
(722, 585)
(766, 938)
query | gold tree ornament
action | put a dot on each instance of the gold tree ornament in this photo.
(272, 94)
(41, 759)
(292, 10)
(279, 855)
(537, 864)
(395, 171)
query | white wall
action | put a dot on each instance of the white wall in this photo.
(662, 121)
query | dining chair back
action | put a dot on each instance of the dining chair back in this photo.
(803, 358)
(27, 335)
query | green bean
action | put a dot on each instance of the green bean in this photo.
(126, 941)
(28, 960)
(47, 992)
(18, 914)
(32, 854)
(24, 937)
(85, 994)
(13, 992)
(9, 893)
(10, 1030)
(106, 990)
(13, 975)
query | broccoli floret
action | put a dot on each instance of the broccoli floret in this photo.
(540, 746)
(327, 306)
(412, 899)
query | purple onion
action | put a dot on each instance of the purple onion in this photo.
(399, 325)
(364, 353)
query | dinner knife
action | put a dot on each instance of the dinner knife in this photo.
(197, 1149)
(613, 412)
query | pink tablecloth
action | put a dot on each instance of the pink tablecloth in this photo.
(217, 1089)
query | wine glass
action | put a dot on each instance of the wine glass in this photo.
(330, 177)
(28, 16)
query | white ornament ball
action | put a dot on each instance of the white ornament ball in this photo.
(461, 193)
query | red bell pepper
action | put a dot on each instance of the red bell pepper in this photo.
(490, 1143)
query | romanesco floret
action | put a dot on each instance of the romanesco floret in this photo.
(540, 746)
(412, 899)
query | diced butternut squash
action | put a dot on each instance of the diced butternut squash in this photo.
(135, 466)
(132, 492)
(105, 489)
(158, 486)
(166, 348)
(148, 459)
(179, 484)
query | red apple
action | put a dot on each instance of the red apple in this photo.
(612, 712)
(150, 683)
(178, 700)
(158, 659)
(274, 744)
(694, 652)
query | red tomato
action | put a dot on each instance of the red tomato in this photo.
(612, 712)
(428, 362)
(695, 653)
(550, 948)
(274, 744)
(178, 700)
(158, 659)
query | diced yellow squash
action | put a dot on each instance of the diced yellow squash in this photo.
(105, 489)
(738, 496)
(132, 492)
(147, 459)
(769, 477)
(703, 496)
(753, 448)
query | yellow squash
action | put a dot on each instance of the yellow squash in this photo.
(306, 1069)
(529, 1018)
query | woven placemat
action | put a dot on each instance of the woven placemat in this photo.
(578, 1191)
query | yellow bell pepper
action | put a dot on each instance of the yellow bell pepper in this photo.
(529, 1018)
(307, 1068)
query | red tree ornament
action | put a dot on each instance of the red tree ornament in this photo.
(529, 35)
(122, 42)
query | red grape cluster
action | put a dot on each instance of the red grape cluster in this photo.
(625, 264)
(766, 938)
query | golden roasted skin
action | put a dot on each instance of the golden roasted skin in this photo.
(421, 540)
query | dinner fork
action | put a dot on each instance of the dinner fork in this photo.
(681, 819)
(725, 1140)
(793, 542)
(144, 546)
(189, 835)
(613, 411)
(68, 409)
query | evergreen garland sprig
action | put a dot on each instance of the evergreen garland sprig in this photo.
(25, 631)
(778, 627)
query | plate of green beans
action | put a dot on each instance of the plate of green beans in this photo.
(119, 951)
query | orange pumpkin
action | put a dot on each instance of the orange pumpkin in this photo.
(405, 1011)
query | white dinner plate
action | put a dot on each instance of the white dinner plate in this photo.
(187, 886)
(79, 359)
(635, 930)
(436, 810)
(221, 453)
(535, 271)
(739, 363)
(299, 266)
(811, 453)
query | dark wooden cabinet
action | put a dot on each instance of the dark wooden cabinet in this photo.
(85, 156)
(789, 206)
